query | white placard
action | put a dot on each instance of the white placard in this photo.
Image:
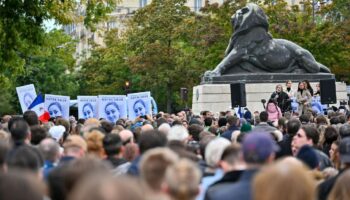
(112, 107)
(139, 104)
(57, 106)
(26, 95)
(87, 107)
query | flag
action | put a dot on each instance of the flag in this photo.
(39, 108)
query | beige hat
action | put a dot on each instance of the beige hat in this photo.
(75, 141)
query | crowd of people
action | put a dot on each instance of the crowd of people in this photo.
(261, 156)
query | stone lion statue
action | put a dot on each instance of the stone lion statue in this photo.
(253, 50)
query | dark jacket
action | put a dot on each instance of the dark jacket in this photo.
(229, 177)
(228, 134)
(324, 189)
(241, 190)
(56, 179)
(323, 159)
(116, 162)
(282, 100)
(285, 146)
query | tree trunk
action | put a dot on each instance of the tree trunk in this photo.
(169, 100)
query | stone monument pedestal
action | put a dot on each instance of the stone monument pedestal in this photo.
(217, 97)
(266, 78)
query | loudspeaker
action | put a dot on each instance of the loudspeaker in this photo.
(328, 91)
(184, 94)
(238, 95)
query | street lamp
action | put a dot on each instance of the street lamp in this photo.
(127, 86)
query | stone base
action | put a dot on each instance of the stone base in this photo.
(266, 78)
(217, 97)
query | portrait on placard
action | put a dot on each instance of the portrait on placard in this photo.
(112, 107)
(139, 104)
(26, 95)
(57, 106)
(87, 107)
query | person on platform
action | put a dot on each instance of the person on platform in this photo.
(308, 87)
(318, 90)
(281, 98)
(273, 111)
(289, 90)
(303, 98)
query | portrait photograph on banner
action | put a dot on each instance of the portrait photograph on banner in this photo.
(57, 106)
(26, 95)
(87, 107)
(112, 107)
(139, 104)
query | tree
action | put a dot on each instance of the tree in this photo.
(106, 71)
(21, 24)
(155, 38)
(50, 68)
(22, 35)
(327, 40)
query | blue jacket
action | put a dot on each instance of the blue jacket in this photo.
(134, 167)
(48, 167)
(228, 134)
(241, 190)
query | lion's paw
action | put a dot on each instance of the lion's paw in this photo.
(211, 73)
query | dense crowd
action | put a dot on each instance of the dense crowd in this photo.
(179, 156)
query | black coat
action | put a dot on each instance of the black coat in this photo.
(285, 146)
(324, 189)
(283, 101)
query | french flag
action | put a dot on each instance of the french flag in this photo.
(39, 108)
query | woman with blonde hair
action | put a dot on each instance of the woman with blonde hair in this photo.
(182, 180)
(94, 140)
(287, 179)
(106, 187)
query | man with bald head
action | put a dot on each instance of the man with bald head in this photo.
(126, 136)
(146, 127)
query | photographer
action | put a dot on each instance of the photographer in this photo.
(281, 98)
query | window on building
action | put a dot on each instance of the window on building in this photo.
(197, 5)
(143, 3)
(111, 25)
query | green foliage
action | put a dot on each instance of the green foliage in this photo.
(106, 70)
(21, 24)
(49, 68)
(6, 97)
(29, 55)
(326, 40)
(165, 37)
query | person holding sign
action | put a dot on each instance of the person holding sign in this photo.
(112, 111)
(55, 109)
(139, 108)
